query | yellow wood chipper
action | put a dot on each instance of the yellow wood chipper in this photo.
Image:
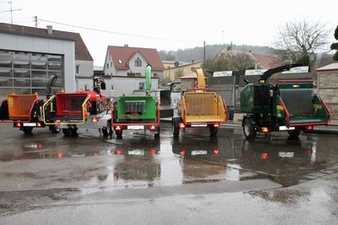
(200, 107)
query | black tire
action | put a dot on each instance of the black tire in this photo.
(294, 134)
(73, 132)
(157, 134)
(105, 133)
(110, 130)
(213, 131)
(27, 131)
(176, 127)
(66, 132)
(249, 130)
(54, 129)
(118, 134)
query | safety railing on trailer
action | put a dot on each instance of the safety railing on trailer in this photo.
(58, 121)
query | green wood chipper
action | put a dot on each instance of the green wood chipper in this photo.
(291, 105)
(137, 112)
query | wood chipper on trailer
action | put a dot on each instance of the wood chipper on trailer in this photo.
(25, 111)
(70, 111)
(137, 112)
(200, 108)
(289, 106)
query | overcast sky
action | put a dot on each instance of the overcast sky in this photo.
(171, 24)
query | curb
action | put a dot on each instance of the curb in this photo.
(324, 131)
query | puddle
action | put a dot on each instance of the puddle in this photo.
(141, 162)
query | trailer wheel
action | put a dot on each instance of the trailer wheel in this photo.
(176, 127)
(66, 132)
(294, 134)
(213, 131)
(73, 132)
(54, 129)
(105, 133)
(157, 134)
(110, 130)
(27, 130)
(249, 129)
(118, 134)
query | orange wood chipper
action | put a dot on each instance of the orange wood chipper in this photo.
(24, 111)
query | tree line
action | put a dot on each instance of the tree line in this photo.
(296, 42)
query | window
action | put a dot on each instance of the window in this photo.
(111, 64)
(138, 62)
(107, 65)
(26, 72)
(86, 87)
(77, 69)
(141, 85)
(112, 87)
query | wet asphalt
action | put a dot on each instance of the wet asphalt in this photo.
(194, 179)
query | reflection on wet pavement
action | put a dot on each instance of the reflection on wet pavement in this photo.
(140, 162)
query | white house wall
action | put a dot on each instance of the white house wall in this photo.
(135, 69)
(86, 68)
(84, 79)
(125, 86)
(84, 84)
(44, 45)
(109, 68)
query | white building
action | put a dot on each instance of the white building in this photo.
(125, 66)
(29, 56)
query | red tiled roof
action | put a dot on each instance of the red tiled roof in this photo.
(122, 55)
(267, 61)
(81, 50)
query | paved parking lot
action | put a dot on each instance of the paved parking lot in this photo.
(43, 172)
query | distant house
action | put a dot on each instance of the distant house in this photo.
(130, 61)
(124, 69)
(29, 56)
(172, 73)
(188, 81)
(169, 64)
(327, 83)
(266, 61)
(261, 60)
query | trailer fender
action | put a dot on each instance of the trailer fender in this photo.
(4, 115)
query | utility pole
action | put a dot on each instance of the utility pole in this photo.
(11, 10)
(36, 21)
(204, 53)
(11, 6)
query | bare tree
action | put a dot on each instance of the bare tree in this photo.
(334, 46)
(301, 40)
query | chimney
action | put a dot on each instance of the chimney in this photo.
(49, 29)
(126, 45)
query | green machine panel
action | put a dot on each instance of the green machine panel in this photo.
(136, 108)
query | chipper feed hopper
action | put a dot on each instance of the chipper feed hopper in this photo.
(24, 111)
(291, 105)
(69, 111)
(200, 108)
(137, 112)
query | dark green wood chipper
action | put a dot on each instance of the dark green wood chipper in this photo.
(291, 105)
